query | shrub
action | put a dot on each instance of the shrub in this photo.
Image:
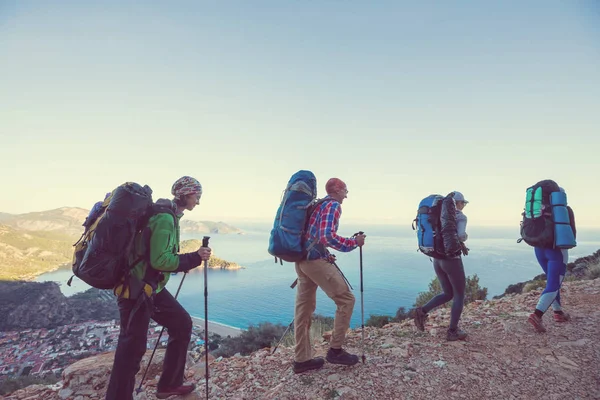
(537, 284)
(250, 340)
(472, 291)
(593, 271)
(378, 321)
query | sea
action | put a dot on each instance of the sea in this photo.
(394, 273)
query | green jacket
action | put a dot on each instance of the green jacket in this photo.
(162, 238)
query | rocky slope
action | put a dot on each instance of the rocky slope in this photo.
(502, 359)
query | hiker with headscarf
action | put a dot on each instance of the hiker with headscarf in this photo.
(451, 274)
(142, 296)
(318, 270)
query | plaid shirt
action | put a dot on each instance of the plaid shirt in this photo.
(322, 228)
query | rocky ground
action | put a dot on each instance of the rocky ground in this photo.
(503, 358)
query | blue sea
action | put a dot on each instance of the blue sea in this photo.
(393, 273)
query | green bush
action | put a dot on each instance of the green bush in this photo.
(593, 271)
(319, 325)
(250, 340)
(537, 284)
(472, 291)
(401, 315)
(378, 321)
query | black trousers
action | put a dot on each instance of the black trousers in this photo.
(166, 311)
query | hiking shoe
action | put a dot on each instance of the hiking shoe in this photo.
(315, 363)
(342, 357)
(537, 323)
(561, 317)
(456, 334)
(176, 391)
(419, 319)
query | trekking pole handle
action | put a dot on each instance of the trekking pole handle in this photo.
(205, 241)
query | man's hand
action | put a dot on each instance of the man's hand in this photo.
(464, 248)
(204, 253)
(360, 239)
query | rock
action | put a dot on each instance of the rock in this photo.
(333, 378)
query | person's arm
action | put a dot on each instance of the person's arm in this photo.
(461, 227)
(327, 230)
(161, 251)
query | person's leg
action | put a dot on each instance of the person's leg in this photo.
(455, 271)
(447, 293)
(331, 281)
(559, 315)
(556, 270)
(178, 323)
(306, 302)
(130, 348)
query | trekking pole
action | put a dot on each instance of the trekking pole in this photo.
(139, 389)
(282, 336)
(205, 244)
(362, 302)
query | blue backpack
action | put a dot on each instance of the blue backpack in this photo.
(286, 242)
(428, 225)
(437, 237)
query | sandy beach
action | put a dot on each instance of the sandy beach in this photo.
(219, 329)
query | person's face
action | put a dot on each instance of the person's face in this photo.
(192, 200)
(460, 205)
(341, 194)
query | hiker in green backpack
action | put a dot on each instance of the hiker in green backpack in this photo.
(143, 296)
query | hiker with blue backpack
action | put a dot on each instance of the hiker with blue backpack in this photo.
(303, 230)
(548, 225)
(441, 233)
(318, 270)
(142, 296)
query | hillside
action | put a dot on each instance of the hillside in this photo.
(502, 359)
(24, 255)
(38, 242)
(34, 305)
(69, 220)
(66, 220)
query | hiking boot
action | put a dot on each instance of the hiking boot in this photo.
(419, 319)
(176, 391)
(537, 323)
(342, 357)
(561, 317)
(315, 363)
(456, 334)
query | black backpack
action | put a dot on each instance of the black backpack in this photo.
(547, 221)
(102, 255)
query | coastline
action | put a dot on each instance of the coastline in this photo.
(215, 327)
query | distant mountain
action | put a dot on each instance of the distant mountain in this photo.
(189, 226)
(69, 220)
(5, 216)
(66, 220)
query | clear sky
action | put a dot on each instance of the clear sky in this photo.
(398, 98)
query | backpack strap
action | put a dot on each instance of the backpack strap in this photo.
(311, 209)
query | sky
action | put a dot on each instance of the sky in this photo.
(400, 99)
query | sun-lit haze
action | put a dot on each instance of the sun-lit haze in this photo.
(400, 99)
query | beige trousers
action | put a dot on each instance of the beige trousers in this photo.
(313, 274)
